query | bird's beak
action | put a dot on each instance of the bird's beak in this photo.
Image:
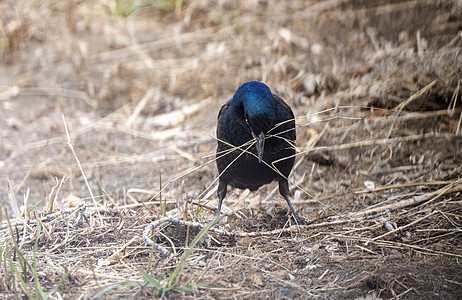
(260, 145)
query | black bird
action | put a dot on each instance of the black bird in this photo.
(256, 141)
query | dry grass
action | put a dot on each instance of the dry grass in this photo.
(375, 87)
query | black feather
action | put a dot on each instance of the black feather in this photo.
(253, 110)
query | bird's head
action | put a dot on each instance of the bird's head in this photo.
(259, 111)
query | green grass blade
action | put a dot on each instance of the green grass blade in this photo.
(60, 282)
(18, 274)
(175, 276)
(2, 285)
(124, 8)
(20, 258)
(38, 287)
(189, 288)
(113, 286)
(101, 193)
(151, 256)
(153, 281)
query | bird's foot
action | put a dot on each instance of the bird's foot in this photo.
(295, 219)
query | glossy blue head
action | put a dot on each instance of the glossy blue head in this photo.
(258, 103)
(259, 110)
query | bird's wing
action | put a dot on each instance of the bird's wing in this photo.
(223, 109)
(220, 121)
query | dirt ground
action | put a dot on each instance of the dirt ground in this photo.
(375, 88)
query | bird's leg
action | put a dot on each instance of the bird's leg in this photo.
(284, 191)
(292, 210)
(221, 192)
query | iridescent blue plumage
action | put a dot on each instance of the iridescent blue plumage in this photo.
(261, 123)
